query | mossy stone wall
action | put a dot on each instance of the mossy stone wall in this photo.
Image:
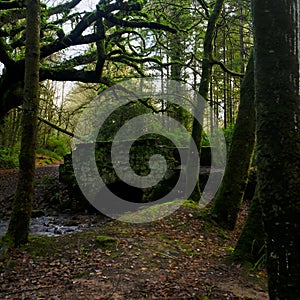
(140, 153)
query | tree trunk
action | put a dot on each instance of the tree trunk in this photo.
(230, 194)
(20, 219)
(278, 140)
(250, 247)
(176, 111)
(204, 84)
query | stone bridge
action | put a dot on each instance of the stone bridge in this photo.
(140, 153)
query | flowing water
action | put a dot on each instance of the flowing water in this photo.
(59, 224)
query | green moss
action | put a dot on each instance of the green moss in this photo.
(105, 242)
(83, 275)
(191, 204)
(71, 223)
(124, 231)
(40, 246)
(4, 250)
(153, 212)
(185, 248)
(229, 250)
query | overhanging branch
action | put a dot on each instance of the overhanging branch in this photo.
(225, 69)
(139, 24)
(73, 75)
(58, 128)
(11, 4)
(63, 7)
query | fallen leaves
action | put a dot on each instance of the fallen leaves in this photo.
(180, 257)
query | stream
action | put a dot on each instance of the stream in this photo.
(60, 224)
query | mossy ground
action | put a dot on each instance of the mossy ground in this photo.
(177, 257)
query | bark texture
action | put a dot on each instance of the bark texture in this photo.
(278, 140)
(250, 247)
(18, 229)
(229, 197)
(207, 63)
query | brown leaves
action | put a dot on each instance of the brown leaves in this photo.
(179, 257)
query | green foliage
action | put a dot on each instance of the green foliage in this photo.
(176, 135)
(118, 118)
(50, 155)
(228, 133)
(55, 148)
(7, 161)
(51, 187)
(58, 145)
(205, 140)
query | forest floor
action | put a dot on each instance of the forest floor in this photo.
(182, 256)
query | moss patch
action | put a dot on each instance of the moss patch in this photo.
(40, 246)
(105, 242)
(153, 212)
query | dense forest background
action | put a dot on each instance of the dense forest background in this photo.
(241, 56)
(129, 52)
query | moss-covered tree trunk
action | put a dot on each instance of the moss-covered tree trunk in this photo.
(204, 84)
(230, 194)
(176, 50)
(20, 219)
(276, 29)
(250, 247)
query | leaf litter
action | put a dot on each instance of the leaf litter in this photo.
(178, 257)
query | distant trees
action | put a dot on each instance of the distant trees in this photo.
(206, 73)
(205, 43)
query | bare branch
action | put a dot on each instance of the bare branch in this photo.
(225, 69)
(73, 75)
(79, 60)
(63, 7)
(11, 4)
(58, 128)
(139, 24)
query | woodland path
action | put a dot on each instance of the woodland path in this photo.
(179, 257)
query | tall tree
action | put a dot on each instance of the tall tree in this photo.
(276, 33)
(207, 63)
(20, 219)
(111, 30)
(250, 247)
(230, 194)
